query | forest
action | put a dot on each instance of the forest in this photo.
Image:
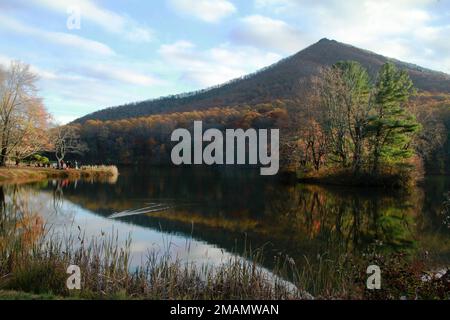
(344, 120)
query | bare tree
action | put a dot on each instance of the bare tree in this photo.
(330, 87)
(310, 137)
(433, 135)
(66, 139)
(345, 93)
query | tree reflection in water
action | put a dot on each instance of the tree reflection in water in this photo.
(233, 209)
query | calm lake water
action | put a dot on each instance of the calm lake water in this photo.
(206, 215)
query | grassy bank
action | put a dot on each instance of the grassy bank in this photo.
(106, 275)
(31, 174)
(19, 295)
(394, 179)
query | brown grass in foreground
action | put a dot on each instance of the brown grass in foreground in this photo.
(35, 263)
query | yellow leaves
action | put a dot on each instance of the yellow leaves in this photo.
(241, 116)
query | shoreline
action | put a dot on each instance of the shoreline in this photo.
(346, 179)
(21, 175)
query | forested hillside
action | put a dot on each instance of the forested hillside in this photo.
(283, 80)
(285, 96)
(146, 140)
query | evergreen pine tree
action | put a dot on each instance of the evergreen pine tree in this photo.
(391, 125)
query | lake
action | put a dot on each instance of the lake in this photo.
(208, 215)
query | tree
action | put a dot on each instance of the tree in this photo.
(41, 160)
(331, 91)
(23, 118)
(314, 143)
(357, 108)
(35, 137)
(306, 128)
(344, 92)
(434, 134)
(66, 139)
(392, 127)
(366, 124)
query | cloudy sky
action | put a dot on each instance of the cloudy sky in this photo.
(134, 50)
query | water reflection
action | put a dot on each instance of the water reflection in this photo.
(205, 215)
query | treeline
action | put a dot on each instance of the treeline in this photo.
(146, 140)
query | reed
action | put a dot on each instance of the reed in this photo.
(35, 262)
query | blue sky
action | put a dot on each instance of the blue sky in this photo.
(134, 50)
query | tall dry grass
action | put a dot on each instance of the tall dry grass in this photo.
(34, 261)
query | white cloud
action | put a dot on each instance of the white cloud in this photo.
(63, 119)
(131, 77)
(277, 6)
(106, 19)
(60, 38)
(73, 90)
(140, 35)
(205, 10)
(409, 30)
(114, 73)
(216, 65)
(267, 33)
(70, 98)
(43, 74)
(5, 61)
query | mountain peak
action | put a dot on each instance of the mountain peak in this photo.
(279, 81)
(325, 40)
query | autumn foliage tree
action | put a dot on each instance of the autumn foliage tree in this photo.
(35, 138)
(366, 124)
(23, 118)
